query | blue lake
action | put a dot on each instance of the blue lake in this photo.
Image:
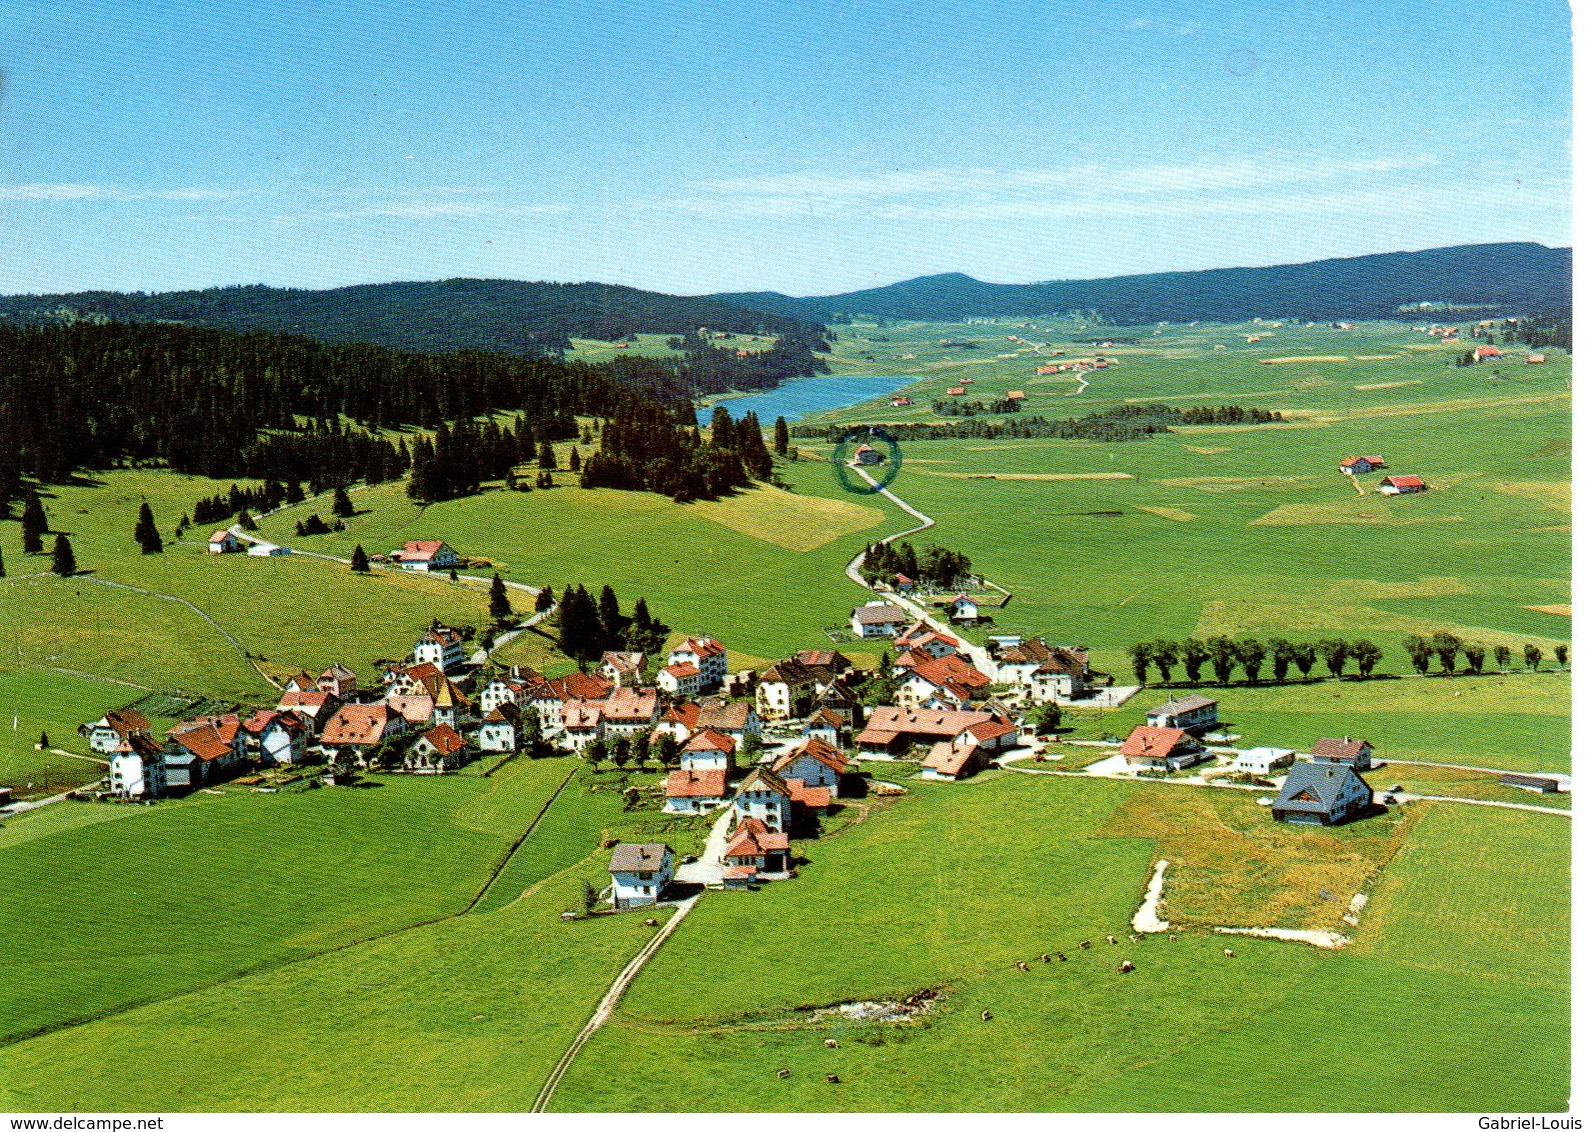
(796, 399)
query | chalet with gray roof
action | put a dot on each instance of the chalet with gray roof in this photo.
(1194, 714)
(1343, 752)
(1321, 794)
(640, 873)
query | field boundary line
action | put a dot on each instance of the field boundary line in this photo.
(609, 1001)
(515, 848)
(264, 968)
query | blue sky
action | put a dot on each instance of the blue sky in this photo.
(806, 147)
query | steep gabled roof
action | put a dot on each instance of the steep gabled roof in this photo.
(633, 858)
(697, 784)
(763, 779)
(1153, 742)
(1312, 788)
(815, 748)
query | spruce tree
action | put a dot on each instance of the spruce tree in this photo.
(781, 437)
(545, 459)
(498, 601)
(34, 525)
(342, 506)
(359, 562)
(574, 459)
(609, 620)
(2, 565)
(145, 532)
(544, 599)
(65, 562)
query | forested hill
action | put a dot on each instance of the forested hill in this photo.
(1519, 278)
(502, 315)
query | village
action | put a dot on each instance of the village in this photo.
(769, 753)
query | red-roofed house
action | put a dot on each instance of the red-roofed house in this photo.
(696, 791)
(500, 730)
(1360, 465)
(225, 542)
(755, 850)
(708, 750)
(277, 737)
(315, 707)
(680, 679)
(678, 721)
(437, 751)
(197, 755)
(356, 730)
(1482, 352)
(711, 659)
(948, 762)
(582, 723)
(630, 711)
(1161, 748)
(814, 763)
(1401, 485)
(425, 555)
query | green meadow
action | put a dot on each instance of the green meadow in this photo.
(320, 937)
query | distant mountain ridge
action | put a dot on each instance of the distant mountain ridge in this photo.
(1523, 277)
(503, 315)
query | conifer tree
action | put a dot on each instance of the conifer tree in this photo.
(145, 533)
(498, 606)
(342, 506)
(2, 565)
(545, 459)
(359, 561)
(64, 561)
(544, 599)
(781, 437)
(34, 525)
(574, 459)
(609, 619)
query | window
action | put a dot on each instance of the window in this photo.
(646, 890)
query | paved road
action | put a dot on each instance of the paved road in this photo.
(709, 867)
(980, 657)
(605, 1008)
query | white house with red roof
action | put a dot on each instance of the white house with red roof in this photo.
(755, 851)
(441, 645)
(1161, 748)
(225, 542)
(438, 751)
(630, 711)
(1401, 485)
(696, 790)
(951, 761)
(682, 678)
(425, 555)
(500, 730)
(277, 737)
(963, 609)
(708, 750)
(711, 659)
(339, 680)
(581, 723)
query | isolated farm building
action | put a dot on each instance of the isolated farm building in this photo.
(1535, 359)
(765, 796)
(268, 550)
(1360, 465)
(500, 730)
(1321, 794)
(630, 711)
(755, 850)
(437, 751)
(814, 763)
(1016, 395)
(710, 658)
(277, 737)
(1263, 761)
(442, 646)
(956, 391)
(225, 542)
(1343, 752)
(1195, 714)
(708, 749)
(1481, 353)
(1161, 748)
(1046, 370)
(1401, 485)
(339, 680)
(1541, 783)
(640, 873)
(623, 669)
(110, 730)
(696, 790)
(948, 762)
(963, 609)
(900, 402)
(138, 768)
(877, 619)
(828, 725)
(426, 555)
(867, 454)
(355, 731)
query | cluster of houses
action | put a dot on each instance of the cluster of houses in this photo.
(1389, 485)
(418, 555)
(1076, 365)
(1322, 787)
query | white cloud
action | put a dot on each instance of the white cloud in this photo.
(75, 192)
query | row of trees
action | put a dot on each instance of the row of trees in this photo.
(589, 627)
(1249, 655)
(1121, 422)
(1446, 649)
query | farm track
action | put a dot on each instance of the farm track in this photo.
(610, 1000)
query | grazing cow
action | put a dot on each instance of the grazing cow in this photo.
(1137, 937)
(650, 922)
(830, 1043)
(1021, 966)
(1045, 957)
(984, 1016)
(832, 1078)
(1172, 937)
(1084, 945)
(1061, 957)
(1111, 939)
(1127, 965)
(1227, 951)
(783, 1073)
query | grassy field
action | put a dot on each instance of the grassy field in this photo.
(1187, 1030)
(188, 893)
